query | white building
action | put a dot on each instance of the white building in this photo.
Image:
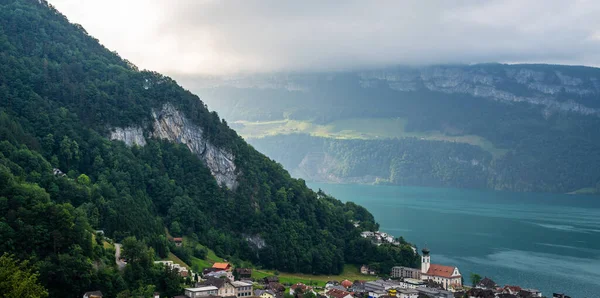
(183, 271)
(367, 234)
(405, 272)
(242, 289)
(447, 276)
(201, 292)
(411, 283)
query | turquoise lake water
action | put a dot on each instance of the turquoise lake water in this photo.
(550, 242)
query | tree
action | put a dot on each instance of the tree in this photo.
(475, 278)
(17, 280)
(175, 228)
(83, 179)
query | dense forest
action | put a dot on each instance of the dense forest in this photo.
(543, 118)
(399, 161)
(61, 93)
(416, 162)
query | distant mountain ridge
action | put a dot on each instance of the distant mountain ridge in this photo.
(539, 122)
(553, 87)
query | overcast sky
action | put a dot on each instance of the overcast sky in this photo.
(190, 37)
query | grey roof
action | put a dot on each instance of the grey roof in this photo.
(92, 293)
(260, 292)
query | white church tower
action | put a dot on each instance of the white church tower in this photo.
(425, 261)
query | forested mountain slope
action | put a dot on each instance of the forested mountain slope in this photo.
(63, 96)
(539, 123)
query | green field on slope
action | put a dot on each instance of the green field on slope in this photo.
(357, 128)
(351, 273)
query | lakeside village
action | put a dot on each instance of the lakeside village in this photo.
(429, 281)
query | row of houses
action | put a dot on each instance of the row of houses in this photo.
(379, 237)
(183, 271)
(487, 288)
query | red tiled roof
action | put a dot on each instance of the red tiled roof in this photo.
(346, 283)
(299, 285)
(178, 239)
(337, 293)
(512, 288)
(222, 266)
(441, 270)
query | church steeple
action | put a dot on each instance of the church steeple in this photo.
(425, 260)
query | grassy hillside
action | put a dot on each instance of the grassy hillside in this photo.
(357, 128)
(350, 272)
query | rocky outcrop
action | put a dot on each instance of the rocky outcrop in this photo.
(130, 135)
(170, 124)
(552, 90)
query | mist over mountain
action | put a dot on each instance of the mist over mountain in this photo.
(524, 127)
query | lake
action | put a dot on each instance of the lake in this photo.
(550, 242)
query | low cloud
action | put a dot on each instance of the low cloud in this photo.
(200, 37)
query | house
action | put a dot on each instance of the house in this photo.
(480, 293)
(447, 276)
(94, 294)
(530, 293)
(206, 271)
(156, 295)
(411, 283)
(224, 286)
(559, 295)
(346, 283)
(183, 271)
(378, 294)
(264, 293)
(405, 272)
(367, 234)
(513, 290)
(222, 266)
(330, 284)
(242, 289)
(300, 287)
(270, 279)
(201, 291)
(364, 269)
(244, 272)
(59, 173)
(178, 241)
(358, 286)
(486, 283)
(335, 293)
(219, 274)
(275, 287)
(407, 293)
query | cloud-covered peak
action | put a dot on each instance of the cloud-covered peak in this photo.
(223, 37)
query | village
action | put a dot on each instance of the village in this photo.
(222, 280)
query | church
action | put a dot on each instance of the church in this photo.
(448, 276)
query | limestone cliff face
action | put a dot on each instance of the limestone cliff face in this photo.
(130, 135)
(170, 124)
(544, 86)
